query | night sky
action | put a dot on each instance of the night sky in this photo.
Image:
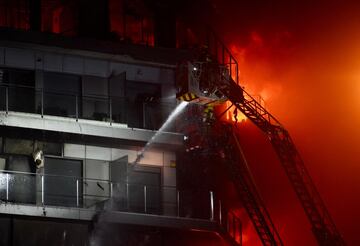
(303, 58)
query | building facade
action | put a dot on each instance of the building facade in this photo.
(75, 115)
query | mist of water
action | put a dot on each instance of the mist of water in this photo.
(179, 108)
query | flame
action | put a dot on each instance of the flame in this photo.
(233, 114)
(255, 66)
(128, 27)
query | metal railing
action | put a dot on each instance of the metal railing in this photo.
(137, 114)
(229, 223)
(222, 54)
(98, 194)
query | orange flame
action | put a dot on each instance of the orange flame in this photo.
(233, 114)
(255, 68)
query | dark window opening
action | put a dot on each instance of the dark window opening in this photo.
(117, 97)
(62, 93)
(139, 95)
(48, 148)
(17, 90)
(95, 99)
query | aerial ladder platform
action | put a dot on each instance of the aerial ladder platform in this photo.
(212, 79)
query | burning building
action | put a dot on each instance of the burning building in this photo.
(96, 148)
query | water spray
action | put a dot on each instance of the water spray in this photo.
(179, 108)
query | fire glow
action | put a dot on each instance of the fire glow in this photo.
(233, 114)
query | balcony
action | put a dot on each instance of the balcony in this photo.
(70, 197)
(112, 117)
(147, 115)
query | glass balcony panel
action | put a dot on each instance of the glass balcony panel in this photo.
(22, 188)
(119, 110)
(62, 191)
(170, 201)
(194, 204)
(60, 105)
(147, 115)
(21, 99)
(67, 191)
(96, 193)
(136, 198)
(153, 200)
(119, 201)
(135, 114)
(155, 115)
(95, 109)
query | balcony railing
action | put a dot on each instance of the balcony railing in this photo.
(100, 195)
(97, 194)
(231, 224)
(138, 114)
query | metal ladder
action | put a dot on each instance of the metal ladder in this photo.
(323, 226)
(247, 191)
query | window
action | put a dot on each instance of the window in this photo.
(139, 95)
(19, 85)
(97, 185)
(117, 95)
(27, 147)
(129, 187)
(95, 100)
(63, 182)
(18, 146)
(145, 181)
(14, 14)
(49, 148)
(61, 94)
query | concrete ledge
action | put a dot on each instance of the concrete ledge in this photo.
(86, 127)
(160, 221)
(109, 216)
